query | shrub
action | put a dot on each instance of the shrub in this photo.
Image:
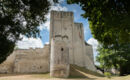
(107, 74)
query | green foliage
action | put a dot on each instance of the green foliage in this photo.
(20, 17)
(108, 19)
(107, 74)
(6, 47)
(115, 56)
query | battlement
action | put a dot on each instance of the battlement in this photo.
(61, 14)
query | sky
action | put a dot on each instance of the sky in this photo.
(27, 43)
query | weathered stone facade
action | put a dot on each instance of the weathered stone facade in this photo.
(27, 61)
(62, 25)
(69, 34)
(32, 61)
(59, 59)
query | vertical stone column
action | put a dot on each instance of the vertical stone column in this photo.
(59, 64)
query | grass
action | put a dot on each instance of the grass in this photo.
(76, 73)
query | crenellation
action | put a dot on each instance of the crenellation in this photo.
(62, 14)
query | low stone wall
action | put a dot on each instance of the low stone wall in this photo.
(7, 65)
(89, 59)
(27, 61)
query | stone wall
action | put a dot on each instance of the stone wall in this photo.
(27, 61)
(78, 45)
(83, 54)
(7, 65)
(89, 59)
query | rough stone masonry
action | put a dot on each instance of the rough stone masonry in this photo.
(66, 43)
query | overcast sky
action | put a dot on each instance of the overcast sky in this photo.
(27, 43)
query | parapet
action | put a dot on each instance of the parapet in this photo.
(61, 14)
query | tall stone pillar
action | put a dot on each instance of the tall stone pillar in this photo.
(59, 64)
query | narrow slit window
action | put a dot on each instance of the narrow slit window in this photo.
(62, 49)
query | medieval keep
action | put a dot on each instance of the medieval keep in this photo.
(66, 46)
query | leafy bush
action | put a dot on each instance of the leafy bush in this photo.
(107, 74)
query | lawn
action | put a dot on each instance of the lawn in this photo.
(76, 73)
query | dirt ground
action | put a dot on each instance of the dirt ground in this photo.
(46, 77)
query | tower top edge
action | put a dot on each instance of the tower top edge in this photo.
(55, 11)
(62, 13)
(78, 24)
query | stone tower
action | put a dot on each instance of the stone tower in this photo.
(61, 24)
(61, 27)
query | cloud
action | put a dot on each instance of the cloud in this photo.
(46, 42)
(94, 44)
(27, 43)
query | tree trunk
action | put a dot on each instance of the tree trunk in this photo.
(122, 70)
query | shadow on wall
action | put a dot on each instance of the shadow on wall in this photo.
(81, 72)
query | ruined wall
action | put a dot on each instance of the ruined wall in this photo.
(32, 61)
(89, 52)
(89, 61)
(27, 61)
(8, 65)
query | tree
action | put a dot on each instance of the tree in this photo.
(107, 19)
(20, 17)
(109, 24)
(115, 57)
